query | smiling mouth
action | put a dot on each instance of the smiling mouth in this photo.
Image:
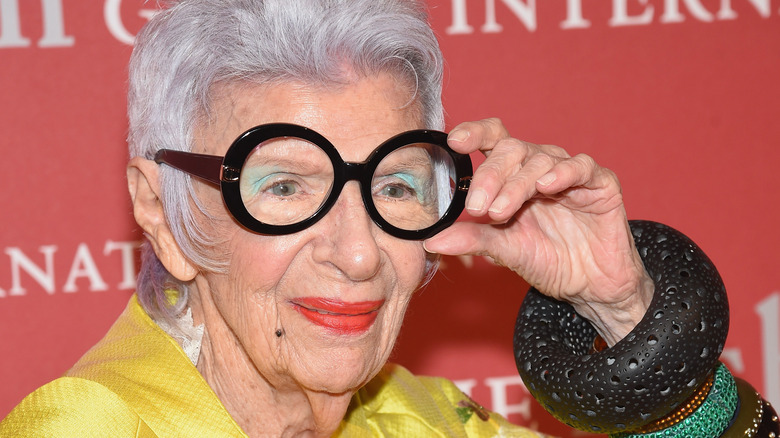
(339, 317)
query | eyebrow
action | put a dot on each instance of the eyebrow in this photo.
(416, 161)
(281, 155)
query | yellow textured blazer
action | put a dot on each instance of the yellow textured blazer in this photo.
(138, 382)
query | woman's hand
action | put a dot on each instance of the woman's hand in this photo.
(558, 221)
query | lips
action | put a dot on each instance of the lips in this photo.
(340, 317)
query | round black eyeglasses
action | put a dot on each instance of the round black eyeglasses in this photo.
(281, 178)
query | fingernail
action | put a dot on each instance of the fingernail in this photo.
(499, 205)
(459, 135)
(477, 200)
(547, 179)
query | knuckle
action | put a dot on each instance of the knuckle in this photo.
(543, 161)
(496, 127)
(494, 122)
(586, 161)
(489, 170)
(556, 151)
(610, 175)
(509, 145)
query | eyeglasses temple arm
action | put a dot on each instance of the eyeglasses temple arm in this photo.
(205, 167)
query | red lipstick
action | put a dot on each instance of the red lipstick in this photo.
(348, 318)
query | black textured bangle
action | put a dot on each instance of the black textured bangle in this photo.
(648, 373)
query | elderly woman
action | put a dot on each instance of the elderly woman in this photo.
(293, 198)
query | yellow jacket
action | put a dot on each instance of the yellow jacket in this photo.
(138, 382)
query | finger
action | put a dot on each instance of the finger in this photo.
(520, 187)
(507, 178)
(469, 238)
(460, 238)
(505, 161)
(578, 171)
(481, 135)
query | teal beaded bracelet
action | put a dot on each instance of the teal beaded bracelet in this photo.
(711, 419)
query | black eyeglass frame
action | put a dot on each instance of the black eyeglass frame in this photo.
(225, 173)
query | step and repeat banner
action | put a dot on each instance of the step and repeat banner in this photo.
(681, 98)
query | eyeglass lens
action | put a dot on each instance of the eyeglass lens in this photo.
(286, 180)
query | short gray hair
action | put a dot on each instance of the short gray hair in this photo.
(195, 44)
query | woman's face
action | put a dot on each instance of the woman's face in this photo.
(337, 290)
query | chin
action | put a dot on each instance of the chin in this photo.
(343, 371)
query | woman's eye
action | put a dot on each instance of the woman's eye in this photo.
(394, 191)
(283, 189)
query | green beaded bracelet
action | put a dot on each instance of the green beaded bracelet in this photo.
(711, 419)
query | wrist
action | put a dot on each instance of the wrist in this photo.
(614, 321)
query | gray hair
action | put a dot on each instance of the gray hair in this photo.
(185, 50)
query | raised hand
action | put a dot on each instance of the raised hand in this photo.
(558, 221)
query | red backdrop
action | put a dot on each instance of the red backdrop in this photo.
(680, 97)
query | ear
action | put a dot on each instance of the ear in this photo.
(144, 185)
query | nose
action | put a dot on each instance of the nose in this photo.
(349, 237)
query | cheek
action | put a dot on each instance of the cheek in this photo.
(410, 263)
(408, 260)
(256, 266)
(259, 263)
(249, 296)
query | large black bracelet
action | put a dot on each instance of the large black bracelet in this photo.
(649, 372)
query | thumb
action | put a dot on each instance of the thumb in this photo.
(459, 239)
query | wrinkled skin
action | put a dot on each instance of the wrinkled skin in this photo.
(557, 221)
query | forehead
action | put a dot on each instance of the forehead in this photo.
(355, 117)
